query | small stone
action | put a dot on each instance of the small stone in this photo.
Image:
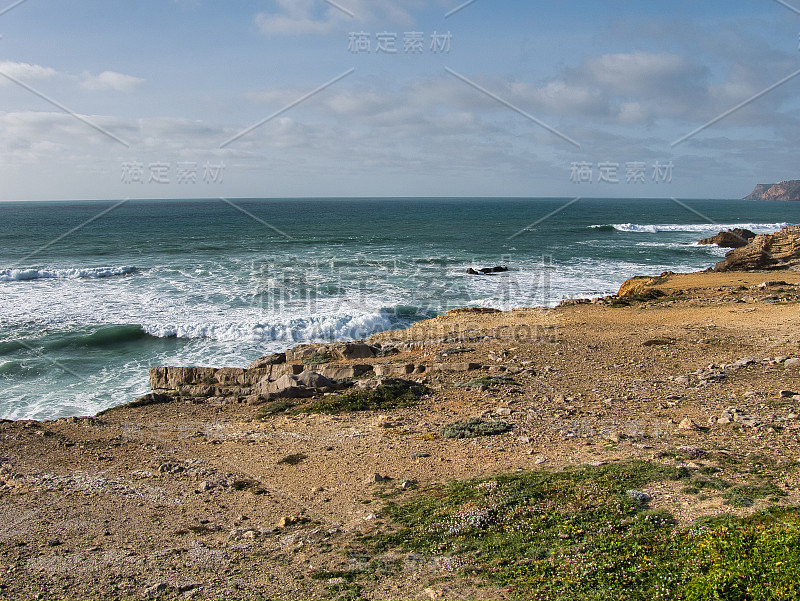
(155, 591)
(540, 460)
(419, 455)
(687, 424)
(376, 477)
(524, 439)
(503, 411)
(640, 496)
(292, 520)
(53, 542)
(794, 362)
(786, 394)
(205, 486)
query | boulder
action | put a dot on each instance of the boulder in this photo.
(780, 250)
(353, 350)
(343, 371)
(735, 238)
(306, 384)
(394, 369)
(268, 360)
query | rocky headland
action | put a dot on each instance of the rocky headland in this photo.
(786, 190)
(274, 481)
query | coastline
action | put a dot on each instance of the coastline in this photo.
(209, 497)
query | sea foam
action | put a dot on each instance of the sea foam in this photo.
(21, 275)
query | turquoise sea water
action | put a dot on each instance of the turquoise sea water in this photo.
(94, 293)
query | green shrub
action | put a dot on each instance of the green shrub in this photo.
(474, 427)
(393, 394)
(486, 381)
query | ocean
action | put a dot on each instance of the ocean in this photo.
(92, 294)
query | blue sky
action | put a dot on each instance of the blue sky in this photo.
(550, 98)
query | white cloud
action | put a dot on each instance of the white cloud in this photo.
(110, 80)
(303, 17)
(296, 17)
(25, 71)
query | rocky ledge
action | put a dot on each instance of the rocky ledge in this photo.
(304, 371)
(780, 250)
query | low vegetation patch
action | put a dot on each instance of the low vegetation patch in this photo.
(395, 394)
(474, 427)
(318, 358)
(578, 534)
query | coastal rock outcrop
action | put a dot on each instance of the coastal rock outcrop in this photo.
(780, 250)
(735, 238)
(785, 190)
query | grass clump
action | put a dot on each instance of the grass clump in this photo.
(474, 427)
(576, 534)
(486, 381)
(274, 408)
(395, 394)
(744, 495)
(317, 358)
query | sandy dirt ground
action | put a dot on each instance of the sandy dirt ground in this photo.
(202, 499)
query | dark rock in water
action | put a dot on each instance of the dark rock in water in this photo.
(487, 270)
(735, 238)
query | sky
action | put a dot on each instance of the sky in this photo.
(113, 99)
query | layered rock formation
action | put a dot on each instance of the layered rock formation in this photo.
(786, 190)
(304, 371)
(780, 250)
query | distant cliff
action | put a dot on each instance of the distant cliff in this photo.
(788, 190)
